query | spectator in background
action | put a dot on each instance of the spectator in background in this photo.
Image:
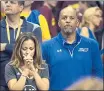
(26, 70)
(72, 56)
(90, 22)
(11, 26)
(47, 7)
(83, 5)
(35, 17)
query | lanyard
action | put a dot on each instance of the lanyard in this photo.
(8, 31)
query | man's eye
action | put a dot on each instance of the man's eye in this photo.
(6, 1)
(64, 18)
(71, 18)
(13, 2)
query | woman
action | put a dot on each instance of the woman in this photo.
(26, 71)
(91, 21)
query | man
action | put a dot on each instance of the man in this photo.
(48, 5)
(34, 16)
(69, 55)
(11, 26)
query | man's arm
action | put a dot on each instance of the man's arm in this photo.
(96, 60)
(44, 28)
(6, 47)
(45, 54)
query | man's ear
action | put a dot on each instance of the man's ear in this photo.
(21, 8)
(59, 23)
(78, 22)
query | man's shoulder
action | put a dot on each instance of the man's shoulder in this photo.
(2, 23)
(36, 12)
(50, 42)
(88, 40)
(32, 24)
(29, 24)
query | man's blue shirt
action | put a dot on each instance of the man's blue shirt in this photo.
(67, 65)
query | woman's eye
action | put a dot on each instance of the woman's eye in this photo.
(31, 48)
(24, 49)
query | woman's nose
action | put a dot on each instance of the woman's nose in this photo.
(27, 51)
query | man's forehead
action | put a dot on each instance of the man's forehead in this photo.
(68, 12)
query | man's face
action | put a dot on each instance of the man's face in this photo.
(12, 7)
(68, 20)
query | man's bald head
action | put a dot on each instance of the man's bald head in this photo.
(68, 9)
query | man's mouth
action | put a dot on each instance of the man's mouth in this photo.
(68, 26)
(8, 9)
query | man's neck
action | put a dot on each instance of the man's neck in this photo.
(13, 20)
(70, 38)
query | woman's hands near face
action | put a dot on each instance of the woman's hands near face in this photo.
(28, 62)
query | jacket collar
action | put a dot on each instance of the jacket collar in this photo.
(3, 22)
(62, 40)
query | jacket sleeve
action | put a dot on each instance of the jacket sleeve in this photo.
(44, 52)
(44, 28)
(96, 60)
(9, 48)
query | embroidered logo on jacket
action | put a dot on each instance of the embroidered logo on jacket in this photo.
(83, 49)
(59, 50)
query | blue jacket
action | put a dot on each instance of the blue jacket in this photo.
(34, 17)
(70, 62)
(6, 55)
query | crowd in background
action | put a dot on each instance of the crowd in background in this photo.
(42, 19)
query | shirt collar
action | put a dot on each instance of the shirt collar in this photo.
(63, 40)
(3, 22)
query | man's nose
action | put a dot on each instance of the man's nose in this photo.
(8, 3)
(68, 20)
